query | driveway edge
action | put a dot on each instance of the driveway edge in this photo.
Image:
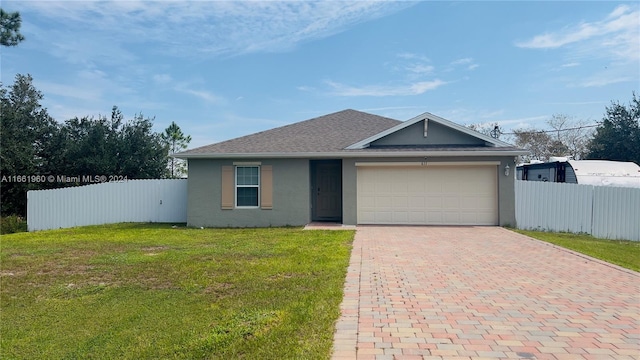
(345, 338)
(578, 254)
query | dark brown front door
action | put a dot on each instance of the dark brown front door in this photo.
(327, 187)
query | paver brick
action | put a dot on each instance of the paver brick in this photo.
(480, 293)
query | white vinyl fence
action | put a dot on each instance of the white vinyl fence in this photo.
(602, 211)
(112, 202)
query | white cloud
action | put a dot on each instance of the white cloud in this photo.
(529, 122)
(162, 78)
(413, 56)
(467, 63)
(424, 86)
(204, 95)
(462, 61)
(616, 36)
(416, 88)
(420, 69)
(85, 93)
(413, 74)
(555, 40)
(603, 80)
(413, 67)
(464, 115)
(195, 28)
(305, 88)
(88, 85)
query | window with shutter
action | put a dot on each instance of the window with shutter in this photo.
(247, 186)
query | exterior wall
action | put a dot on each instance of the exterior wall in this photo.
(291, 195)
(506, 193)
(437, 134)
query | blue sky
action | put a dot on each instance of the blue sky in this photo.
(226, 69)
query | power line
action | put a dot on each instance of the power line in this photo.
(551, 131)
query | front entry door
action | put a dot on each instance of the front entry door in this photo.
(327, 190)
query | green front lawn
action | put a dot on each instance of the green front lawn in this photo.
(623, 253)
(133, 291)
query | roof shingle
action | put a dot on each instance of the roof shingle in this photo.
(328, 133)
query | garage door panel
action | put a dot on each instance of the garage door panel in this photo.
(450, 202)
(434, 218)
(400, 203)
(383, 202)
(383, 217)
(450, 217)
(450, 186)
(367, 202)
(427, 195)
(382, 188)
(367, 217)
(400, 217)
(488, 218)
(366, 187)
(416, 202)
(399, 189)
(469, 218)
(433, 201)
(418, 217)
(476, 202)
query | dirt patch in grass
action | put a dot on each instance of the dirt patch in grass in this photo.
(12, 273)
(154, 250)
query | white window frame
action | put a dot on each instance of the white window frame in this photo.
(236, 186)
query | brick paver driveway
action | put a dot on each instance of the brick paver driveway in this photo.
(482, 292)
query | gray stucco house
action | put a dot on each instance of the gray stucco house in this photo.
(353, 168)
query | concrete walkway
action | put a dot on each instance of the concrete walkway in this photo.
(482, 293)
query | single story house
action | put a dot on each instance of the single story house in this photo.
(354, 168)
(585, 172)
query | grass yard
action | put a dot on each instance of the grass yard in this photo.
(149, 291)
(623, 253)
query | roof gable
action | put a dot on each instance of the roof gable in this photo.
(428, 130)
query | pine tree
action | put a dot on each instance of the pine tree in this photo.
(177, 141)
(10, 28)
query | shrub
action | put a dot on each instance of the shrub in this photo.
(12, 224)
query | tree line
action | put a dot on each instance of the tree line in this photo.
(616, 137)
(37, 152)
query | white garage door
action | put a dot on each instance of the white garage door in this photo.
(429, 195)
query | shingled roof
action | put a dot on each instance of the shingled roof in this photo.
(325, 134)
(341, 134)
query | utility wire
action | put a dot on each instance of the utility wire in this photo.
(551, 131)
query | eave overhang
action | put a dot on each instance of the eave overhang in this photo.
(355, 154)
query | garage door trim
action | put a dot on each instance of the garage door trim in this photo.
(427, 163)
